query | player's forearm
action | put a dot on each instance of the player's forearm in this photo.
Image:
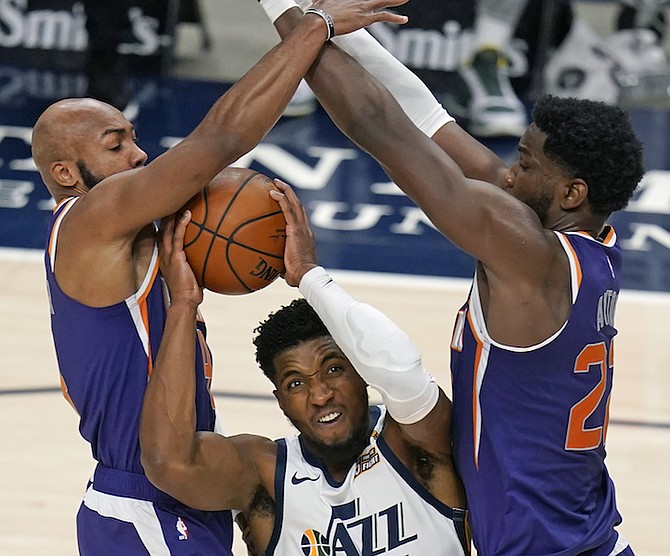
(418, 102)
(373, 118)
(234, 125)
(238, 120)
(259, 98)
(357, 103)
(167, 429)
(414, 97)
(380, 351)
(347, 92)
(251, 107)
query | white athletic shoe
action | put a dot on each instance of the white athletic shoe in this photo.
(628, 67)
(582, 67)
(494, 110)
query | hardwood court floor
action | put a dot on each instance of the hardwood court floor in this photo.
(44, 464)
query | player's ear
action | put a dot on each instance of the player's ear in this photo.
(576, 192)
(275, 393)
(65, 173)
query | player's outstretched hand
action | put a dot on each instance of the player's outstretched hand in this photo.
(176, 271)
(351, 15)
(300, 250)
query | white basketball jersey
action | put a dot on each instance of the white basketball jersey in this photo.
(379, 508)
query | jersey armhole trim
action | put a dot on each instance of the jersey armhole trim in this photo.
(280, 481)
(476, 314)
(575, 267)
(67, 204)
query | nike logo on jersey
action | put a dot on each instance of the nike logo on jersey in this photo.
(297, 480)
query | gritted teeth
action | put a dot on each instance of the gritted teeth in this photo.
(330, 417)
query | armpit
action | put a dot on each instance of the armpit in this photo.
(262, 504)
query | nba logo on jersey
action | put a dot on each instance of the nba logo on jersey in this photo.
(183, 530)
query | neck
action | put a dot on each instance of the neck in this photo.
(591, 224)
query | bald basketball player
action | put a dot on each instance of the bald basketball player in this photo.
(107, 301)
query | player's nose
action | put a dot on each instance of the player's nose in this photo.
(320, 392)
(139, 157)
(509, 176)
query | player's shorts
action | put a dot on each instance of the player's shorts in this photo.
(622, 548)
(123, 513)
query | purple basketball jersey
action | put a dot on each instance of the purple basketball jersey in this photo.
(105, 357)
(530, 424)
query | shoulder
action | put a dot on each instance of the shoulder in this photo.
(255, 445)
(261, 453)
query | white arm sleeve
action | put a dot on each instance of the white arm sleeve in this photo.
(380, 351)
(410, 92)
(275, 8)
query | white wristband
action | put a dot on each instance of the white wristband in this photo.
(379, 350)
(276, 8)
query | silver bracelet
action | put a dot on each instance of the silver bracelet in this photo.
(326, 17)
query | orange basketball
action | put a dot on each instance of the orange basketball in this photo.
(235, 239)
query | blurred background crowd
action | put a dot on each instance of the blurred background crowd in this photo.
(486, 60)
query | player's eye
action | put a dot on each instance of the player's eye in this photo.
(294, 384)
(116, 149)
(522, 164)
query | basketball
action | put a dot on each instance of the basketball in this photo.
(235, 239)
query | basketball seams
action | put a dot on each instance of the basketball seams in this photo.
(250, 254)
(231, 239)
(201, 226)
(233, 242)
(215, 233)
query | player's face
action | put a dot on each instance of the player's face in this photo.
(324, 397)
(533, 178)
(106, 146)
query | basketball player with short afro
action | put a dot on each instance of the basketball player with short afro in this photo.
(578, 133)
(353, 468)
(285, 329)
(532, 355)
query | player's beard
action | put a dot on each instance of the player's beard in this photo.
(90, 179)
(542, 204)
(345, 452)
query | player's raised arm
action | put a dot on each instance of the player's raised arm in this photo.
(475, 159)
(382, 354)
(202, 469)
(479, 217)
(87, 149)
(236, 123)
(419, 103)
